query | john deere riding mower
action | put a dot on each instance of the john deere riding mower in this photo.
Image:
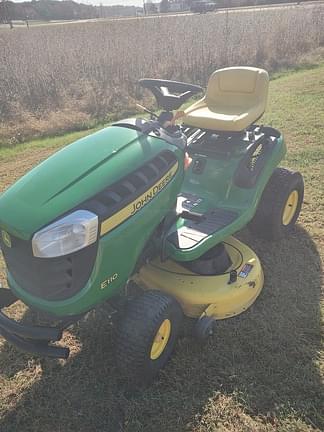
(151, 204)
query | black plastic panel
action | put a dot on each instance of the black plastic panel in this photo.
(49, 278)
(253, 162)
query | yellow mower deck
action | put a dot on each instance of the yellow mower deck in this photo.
(213, 296)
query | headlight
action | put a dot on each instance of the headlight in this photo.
(67, 235)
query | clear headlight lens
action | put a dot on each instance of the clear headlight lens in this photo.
(67, 235)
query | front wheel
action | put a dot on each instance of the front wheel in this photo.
(146, 335)
(279, 206)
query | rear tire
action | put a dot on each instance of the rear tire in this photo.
(146, 335)
(279, 206)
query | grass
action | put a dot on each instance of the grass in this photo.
(68, 77)
(262, 371)
(9, 152)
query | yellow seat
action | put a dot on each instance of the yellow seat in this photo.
(235, 98)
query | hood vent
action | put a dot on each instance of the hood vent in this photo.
(117, 196)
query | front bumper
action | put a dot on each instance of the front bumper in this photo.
(33, 339)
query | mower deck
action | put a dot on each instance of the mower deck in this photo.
(218, 296)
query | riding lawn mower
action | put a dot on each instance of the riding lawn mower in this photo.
(142, 214)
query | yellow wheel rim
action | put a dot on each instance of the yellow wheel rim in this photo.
(161, 339)
(290, 207)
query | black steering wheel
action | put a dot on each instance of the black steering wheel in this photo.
(170, 95)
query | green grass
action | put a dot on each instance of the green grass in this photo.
(56, 142)
(261, 371)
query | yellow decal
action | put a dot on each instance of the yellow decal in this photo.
(6, 238)
(109, 280)
(132, 208)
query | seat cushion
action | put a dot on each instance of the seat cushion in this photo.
(235, 98)
(234, 119)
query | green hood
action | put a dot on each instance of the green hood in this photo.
(72, 175)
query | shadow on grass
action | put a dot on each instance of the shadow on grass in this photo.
(265, 360)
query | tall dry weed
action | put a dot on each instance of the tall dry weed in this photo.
(89, 70)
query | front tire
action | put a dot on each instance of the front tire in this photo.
(146, 335)
(279, 206)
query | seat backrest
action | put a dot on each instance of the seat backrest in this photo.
(237, 86)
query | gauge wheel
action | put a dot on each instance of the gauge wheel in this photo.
(204, 328)
(279, 206)
(146, 335)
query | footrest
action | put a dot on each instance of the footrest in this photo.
(193, 232)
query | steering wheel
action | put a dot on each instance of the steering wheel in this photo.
(170, 95)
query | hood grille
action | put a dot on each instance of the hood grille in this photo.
(49, 278)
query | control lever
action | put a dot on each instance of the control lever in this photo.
(152, 114)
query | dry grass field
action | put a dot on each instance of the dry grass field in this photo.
(66, 77)
(262, 371)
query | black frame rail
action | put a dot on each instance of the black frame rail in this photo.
(32, 339)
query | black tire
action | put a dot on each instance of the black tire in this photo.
(268, 221)
(137, 330)
(204, 329)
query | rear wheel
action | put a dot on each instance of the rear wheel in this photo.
(146, 335)
(280, 205)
